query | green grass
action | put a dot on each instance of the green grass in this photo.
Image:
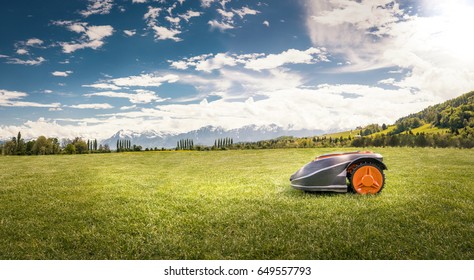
(232, 205)
(389, 129)
(344, 134)
(430, 129)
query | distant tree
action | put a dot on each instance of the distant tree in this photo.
(70, 149)
(81, 145)
(384, 126)
(41, 146)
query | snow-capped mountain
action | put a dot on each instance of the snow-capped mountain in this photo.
(205, 135)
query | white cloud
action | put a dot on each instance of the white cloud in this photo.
(181, 65)
(3, 56)
(163, 33)
(189, 14)
(266, 23)
(22, 51)
(103, 86)
(254, 61)
(144, 80)
(123, 108)
(94, 7)
(217, 62)
(227, 15)
(91, 36)
(222, 26)
(96, 106)
(152, 14)
(431, 47)
(61, 73)
(7, 96)
(15, 99)
(47, 91)
(139, 1)
(31, 62)
(207, 3)
(141, 96)
(291, 56)
(245, 11)
(34, 42)
(130, 33)
(173, 20)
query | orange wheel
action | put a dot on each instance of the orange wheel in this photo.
(367, 178)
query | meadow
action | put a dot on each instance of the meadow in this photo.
(232, 205)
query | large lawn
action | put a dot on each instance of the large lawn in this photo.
(232, 205)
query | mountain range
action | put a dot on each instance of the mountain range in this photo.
(205, 135)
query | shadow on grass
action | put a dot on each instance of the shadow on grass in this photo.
(288, 191)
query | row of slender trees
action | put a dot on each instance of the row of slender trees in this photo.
(125, 145)
(223, 143)
(185, 144)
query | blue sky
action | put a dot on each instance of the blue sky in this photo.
(91, 67)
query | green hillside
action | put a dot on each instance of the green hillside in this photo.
(456, 115)
(449, 124)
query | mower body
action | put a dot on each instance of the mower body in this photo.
(329, 172)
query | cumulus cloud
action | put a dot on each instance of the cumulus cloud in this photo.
(226, 20)
(207, 3)
(254, 61)
(141, 96)
(189, 14)
(431, 46)
(96, 106)
(144, 80)
(245, 11)
(163, 33)
(266, 23)
(130, 33)
(139, 1)
(15, 99)
(291, 56)
(61, 73)
(30, 62)
(217, 62)
(140, 81)
(92, 36)
(94, 7)
(103, 86)
(222, 26)
(22, 51)
(34, 42)
(151, 15)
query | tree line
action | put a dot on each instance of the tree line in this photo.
(51, 146)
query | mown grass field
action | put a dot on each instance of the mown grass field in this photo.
(232, 205)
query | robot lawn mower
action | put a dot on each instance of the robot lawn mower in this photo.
(330, 172)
